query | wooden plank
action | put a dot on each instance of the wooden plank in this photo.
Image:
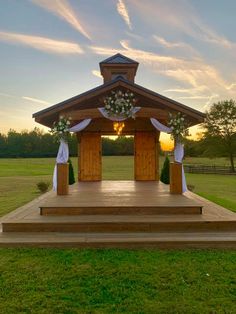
(90, 157)
(122, 210)
(62, 179)
(145, 156)
(114, 223)
(224, 240)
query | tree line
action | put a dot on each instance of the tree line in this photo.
(36, 143)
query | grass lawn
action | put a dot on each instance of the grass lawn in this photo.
(18, 179)
(117, 281)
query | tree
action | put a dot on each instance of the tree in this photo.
(165, 172)
(220, 125)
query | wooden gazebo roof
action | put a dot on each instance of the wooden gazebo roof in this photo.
(85, 105)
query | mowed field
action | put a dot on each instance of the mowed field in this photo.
(18, 179)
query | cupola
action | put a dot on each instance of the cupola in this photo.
(118, 66)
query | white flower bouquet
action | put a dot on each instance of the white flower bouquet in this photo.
(120, 104)
(61, 128)
(179, 126)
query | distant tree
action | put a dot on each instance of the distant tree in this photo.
(165, 172)
(220, 125)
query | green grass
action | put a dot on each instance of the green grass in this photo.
(220, 189)
(18, 179)
(117, 281)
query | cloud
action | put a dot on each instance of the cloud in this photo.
(179, 15)
(97, 73)
(231, 86)
(62, 9)
(38, 101)
(168, 44)
(123, 11)
(199, 81)
(42, 43)
(6, 95)
(187, 90)
(193, 72)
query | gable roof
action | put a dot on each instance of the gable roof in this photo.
(91, 99)
(118, 58)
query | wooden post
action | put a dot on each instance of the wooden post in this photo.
(62, 179)
(176, 178)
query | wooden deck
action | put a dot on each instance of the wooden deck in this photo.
(120, 214)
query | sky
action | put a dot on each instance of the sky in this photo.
(50, 50)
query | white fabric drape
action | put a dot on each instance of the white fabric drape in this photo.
(159, 126)
(115, 118)
(179, 148)
(63, 151)
(62, 158)
(80, 126)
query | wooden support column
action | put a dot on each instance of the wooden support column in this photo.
(176, 178)
(78, 159)
(157, 156)
(62, 179)
(145, 163)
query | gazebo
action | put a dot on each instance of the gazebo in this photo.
(118, 73)
(121, 214)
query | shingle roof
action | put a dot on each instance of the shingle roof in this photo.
(118, 58)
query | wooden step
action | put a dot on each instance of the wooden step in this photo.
(119, 223)
(185, 240)
(122, 210)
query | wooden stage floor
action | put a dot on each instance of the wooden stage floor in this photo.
(120, 194)
(120, 214)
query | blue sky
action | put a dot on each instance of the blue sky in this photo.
(50, 50)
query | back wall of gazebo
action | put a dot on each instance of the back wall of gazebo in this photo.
(146, 149)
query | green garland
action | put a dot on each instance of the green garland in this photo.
(120, 104)
(179, 126)
(60, 129)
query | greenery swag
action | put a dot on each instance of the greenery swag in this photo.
(60, 129)
(120, 104)
(179, 126)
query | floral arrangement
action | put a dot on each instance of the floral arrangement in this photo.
(61, 128)
(179, 126)
(120, 104)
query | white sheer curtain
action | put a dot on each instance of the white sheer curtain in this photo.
(63, 151)
(179, 148)
(159, 126)
(80, 126)
(115, 118)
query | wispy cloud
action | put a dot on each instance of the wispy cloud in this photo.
(193, 72)
(187, 90)
(96, 73)
(199, 79)
(6, 95)
(231, 86)
(123, 11)
(42, 43)
(38, 101)
(181, 16)
(62, 9)
(168, 44)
